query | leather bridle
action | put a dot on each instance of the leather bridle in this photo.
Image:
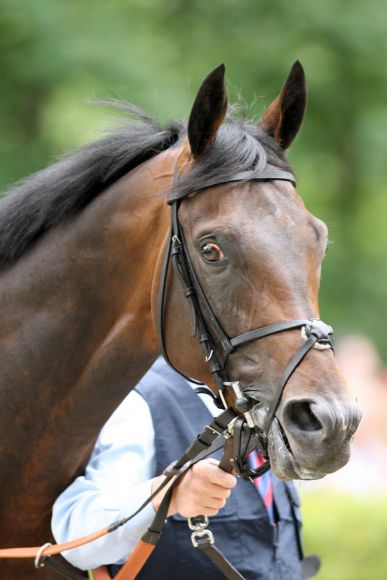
(208, 330)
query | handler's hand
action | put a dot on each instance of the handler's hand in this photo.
(203, 490)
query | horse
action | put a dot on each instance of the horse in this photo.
(82, 248)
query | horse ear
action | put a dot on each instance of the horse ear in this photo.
(284, 116)
(208, 112)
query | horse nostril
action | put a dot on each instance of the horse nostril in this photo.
(301, 415)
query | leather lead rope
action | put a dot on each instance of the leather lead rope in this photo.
(211, 551)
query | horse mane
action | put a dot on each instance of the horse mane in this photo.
(51, 196)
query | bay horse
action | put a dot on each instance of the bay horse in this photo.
(82, 245)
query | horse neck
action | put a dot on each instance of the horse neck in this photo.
(78, 328)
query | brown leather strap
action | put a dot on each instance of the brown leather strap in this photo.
(51, 550)
(227, 460)
(135, 561)
(209, 549)
(101, 573)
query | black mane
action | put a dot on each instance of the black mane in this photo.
(49, 197)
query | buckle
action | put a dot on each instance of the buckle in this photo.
(197, 536)
(199, 524)
(38, 562)
(242, 403)
(319, 329)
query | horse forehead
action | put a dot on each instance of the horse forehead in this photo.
(253, 201)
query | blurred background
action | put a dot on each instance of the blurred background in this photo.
(55, 55)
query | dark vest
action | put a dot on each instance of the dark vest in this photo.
(242, 529)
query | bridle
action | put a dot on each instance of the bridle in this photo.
(209, 331)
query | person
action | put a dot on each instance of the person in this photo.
(152, 427)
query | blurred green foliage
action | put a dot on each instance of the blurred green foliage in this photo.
(349, 534)
(56, 54)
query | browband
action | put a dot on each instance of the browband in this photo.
(261, 175)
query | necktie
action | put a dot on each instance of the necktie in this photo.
(263, 484)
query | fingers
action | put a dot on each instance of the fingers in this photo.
(208, 471)
(204, 489)
(215, 491)
(205, 506)
(206, 511)
(213, 503)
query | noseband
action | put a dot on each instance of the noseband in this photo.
(208, 329)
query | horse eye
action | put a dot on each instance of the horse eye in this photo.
(212, 252)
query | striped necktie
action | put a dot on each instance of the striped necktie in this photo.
(263, 483)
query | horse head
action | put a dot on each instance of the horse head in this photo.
(255, 255)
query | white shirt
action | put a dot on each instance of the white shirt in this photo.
(117, 480)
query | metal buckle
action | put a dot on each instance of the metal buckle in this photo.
(37, 562)
(230, 429)
(213, 431)
(201, 534)
(322, 331)
(239, 395)
(199, 530)
(223, 399)
(200, 525)
(209, 356)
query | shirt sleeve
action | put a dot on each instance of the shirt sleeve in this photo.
(117, 480)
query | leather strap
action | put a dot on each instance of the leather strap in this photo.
(211, 551)
(101, 573)
(66, 570)
(269, 173)
(266, 331)
(136, 561)
(54, 549)
(244, 442)
(295, 361)
(227, 461)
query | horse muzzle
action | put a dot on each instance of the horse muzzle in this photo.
(309, 437)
